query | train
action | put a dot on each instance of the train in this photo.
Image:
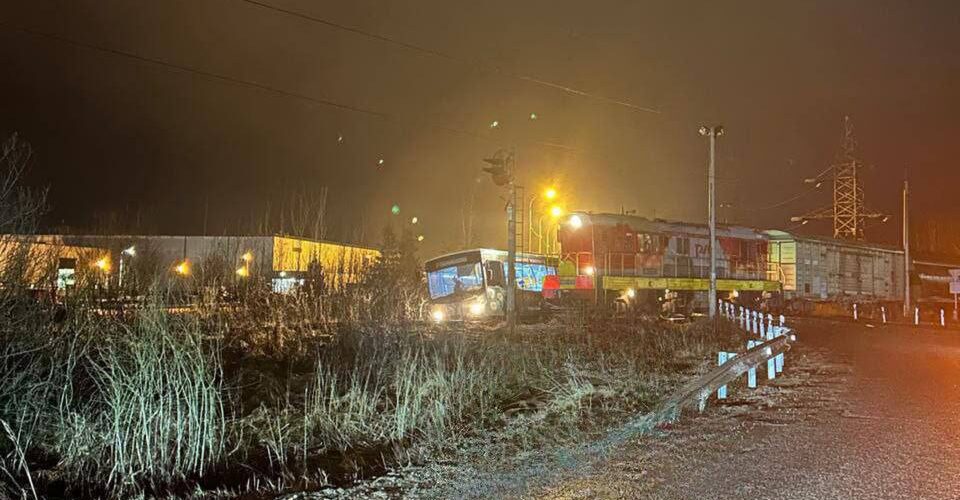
(664, 265)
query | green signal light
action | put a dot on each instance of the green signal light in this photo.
(395, 209)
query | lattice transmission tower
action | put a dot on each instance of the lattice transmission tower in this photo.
(848, 212)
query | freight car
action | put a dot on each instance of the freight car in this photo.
(815, 270)
(657, 264)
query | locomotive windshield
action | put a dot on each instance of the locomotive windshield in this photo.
(455, 279)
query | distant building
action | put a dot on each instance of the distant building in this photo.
(285, 260)
(38, 264)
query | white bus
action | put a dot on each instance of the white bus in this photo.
(471, 284)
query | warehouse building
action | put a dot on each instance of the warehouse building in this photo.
(285, 260)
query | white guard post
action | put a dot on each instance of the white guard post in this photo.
(943, 320)
(723, 357)
(883, 313)
(856, 316)
(752, 372)
(916, 315)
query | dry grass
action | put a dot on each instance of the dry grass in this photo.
(150, 401)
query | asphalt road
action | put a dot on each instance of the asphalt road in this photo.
(860, 413)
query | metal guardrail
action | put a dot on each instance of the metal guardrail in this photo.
(770, 351)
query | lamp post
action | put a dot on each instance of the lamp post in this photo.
(712, 133)
(130, 251)
(549, 194)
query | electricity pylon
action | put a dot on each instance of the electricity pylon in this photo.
(848, 212)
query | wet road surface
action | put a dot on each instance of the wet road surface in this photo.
(860, 413)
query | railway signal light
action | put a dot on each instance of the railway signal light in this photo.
(498, 170)
(395, 209)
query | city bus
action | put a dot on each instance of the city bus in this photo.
(470, 285)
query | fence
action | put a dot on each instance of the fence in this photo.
(769, 349)
(771, 333)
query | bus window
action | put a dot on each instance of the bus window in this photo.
(454, 279)
(530, 276)
(495, 274)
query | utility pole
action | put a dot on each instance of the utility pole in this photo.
(712, 133)
(511, 308)
(907, 311)
(501, 170)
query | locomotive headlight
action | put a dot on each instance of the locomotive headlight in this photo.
(576, 222)
(631, 293)
(438, 315)
(477, 308)
(588, 270)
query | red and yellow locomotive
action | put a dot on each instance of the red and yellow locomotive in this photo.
(656, 263)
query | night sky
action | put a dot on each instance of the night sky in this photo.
(164, 150)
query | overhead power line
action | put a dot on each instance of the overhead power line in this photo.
(196, 71)
(450, 57)
(221, 78)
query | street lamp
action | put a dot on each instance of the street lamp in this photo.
(130, 251)
(549, 194)
(712, 133)
(183, 268)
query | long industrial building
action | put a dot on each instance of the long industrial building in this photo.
(286, 260)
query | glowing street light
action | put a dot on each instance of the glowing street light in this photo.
(556, 211)
(414, 220)
(550, 193)
(247, 257)
(131, 251)
(103, 264)
(183, 268)
(494, 124)
(420, 237)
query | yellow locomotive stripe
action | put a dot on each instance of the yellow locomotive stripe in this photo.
(640, 283)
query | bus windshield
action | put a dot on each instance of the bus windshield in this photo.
(455, 279)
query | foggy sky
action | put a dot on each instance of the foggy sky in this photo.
(181, 152)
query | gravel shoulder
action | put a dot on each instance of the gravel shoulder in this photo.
(860, 413)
